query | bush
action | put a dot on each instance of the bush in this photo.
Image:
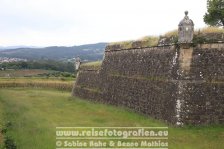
(9, 143)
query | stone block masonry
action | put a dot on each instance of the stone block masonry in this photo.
(179, 86)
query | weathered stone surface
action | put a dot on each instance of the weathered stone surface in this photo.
(145, 62)
(150, 81)
(203, 103)
(185, 30)
(185, 59)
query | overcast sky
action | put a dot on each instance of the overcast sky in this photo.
(75, 22)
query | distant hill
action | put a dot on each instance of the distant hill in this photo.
(16, 47)
(90, 52)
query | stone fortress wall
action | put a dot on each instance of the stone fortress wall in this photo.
(156, 81)
(169, 82)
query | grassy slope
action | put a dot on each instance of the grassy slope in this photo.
(35, 114)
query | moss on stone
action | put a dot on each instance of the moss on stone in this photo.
(91, 65)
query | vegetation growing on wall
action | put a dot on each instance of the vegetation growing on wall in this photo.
(91, 65)
(208, 34)
(210, 30)
(147, 41)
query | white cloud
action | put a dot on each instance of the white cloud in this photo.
(70, 22)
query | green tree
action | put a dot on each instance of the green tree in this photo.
(215, 13)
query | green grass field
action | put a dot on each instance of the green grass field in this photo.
(35, 73)
(63, 84)
(37, 79)
(23, 72)
(34, 115)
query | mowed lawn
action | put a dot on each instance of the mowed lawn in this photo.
(34, 115)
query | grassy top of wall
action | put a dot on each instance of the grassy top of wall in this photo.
(91, 65)
(205, 30)
(146, 41)
(203, 35)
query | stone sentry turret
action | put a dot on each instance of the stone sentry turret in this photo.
(185, 31)
(77, 63)
(185, 38)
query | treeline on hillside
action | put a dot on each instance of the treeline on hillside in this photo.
(90, 52)
(43, 64)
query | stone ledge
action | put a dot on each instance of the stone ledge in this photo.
(111, 48)
(218, 45)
